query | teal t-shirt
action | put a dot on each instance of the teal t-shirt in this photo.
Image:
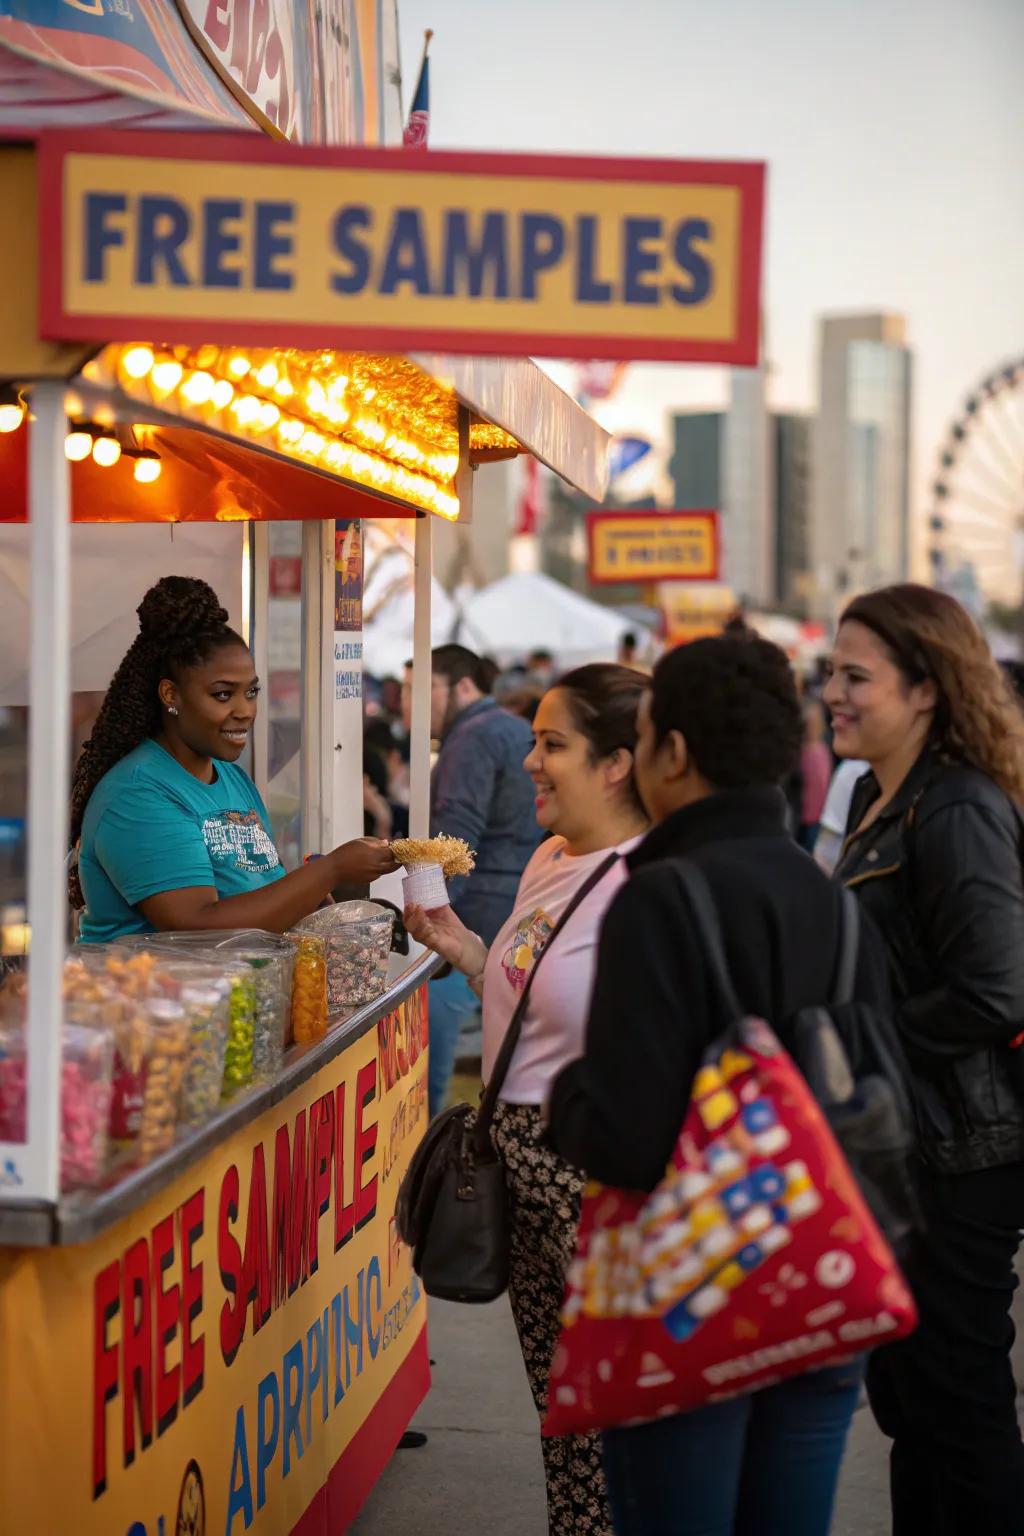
(151, 826)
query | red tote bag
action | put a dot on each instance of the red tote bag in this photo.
(754, 1259)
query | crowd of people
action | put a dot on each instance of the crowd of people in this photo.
(618, 779)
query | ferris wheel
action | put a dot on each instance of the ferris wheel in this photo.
(977, 520)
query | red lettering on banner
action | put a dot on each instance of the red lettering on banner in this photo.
(289, 1245)
(229, 1257)
(256, 1262)
(136, 1348)
(167, 1314)
(106, 1303)
(344, 1214)
(321, 1147)
(365, 1144)
(193, 1346)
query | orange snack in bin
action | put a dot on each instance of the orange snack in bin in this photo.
(309, 989)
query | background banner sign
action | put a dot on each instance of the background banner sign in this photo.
(204, 239)
(140, 47)
(653, 546)
(241, 1354)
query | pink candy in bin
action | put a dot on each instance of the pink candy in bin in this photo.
(86, 1071)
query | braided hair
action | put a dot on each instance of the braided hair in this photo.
(181, 625)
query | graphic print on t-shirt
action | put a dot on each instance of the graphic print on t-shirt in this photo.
(240, 838)
(530, 937)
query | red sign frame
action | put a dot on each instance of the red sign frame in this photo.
(706, 516)
(740, 348)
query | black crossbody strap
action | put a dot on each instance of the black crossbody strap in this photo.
(709, 932)
(485, 1115)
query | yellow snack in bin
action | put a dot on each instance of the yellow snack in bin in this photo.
(309, 988)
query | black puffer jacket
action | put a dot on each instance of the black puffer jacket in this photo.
(940, 872)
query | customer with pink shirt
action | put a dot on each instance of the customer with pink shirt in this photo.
(582, 766)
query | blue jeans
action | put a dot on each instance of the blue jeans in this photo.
(451, 1002)
(762, 1465)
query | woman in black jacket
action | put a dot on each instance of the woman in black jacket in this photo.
(719, 732)
(935, 857)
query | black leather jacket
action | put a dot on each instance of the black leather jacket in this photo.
(940, 872)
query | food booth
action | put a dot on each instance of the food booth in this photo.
(220, 1330)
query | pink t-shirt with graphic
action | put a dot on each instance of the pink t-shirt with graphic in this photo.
(555, 1021)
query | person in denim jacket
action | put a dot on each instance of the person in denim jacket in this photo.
(481, 792)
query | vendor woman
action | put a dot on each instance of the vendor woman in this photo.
(171, 834)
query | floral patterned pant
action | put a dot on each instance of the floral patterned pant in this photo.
(545, 1195)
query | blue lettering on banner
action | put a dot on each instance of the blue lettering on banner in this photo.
(346, 650)
(640, 259)
(480, 269)
(100, 234)
(543, 242)
(164, 226)
(406, 258)
(588, 289)
(348, 223)
(270, 243)
(339, 1344)
(692, 262)
(219, 242)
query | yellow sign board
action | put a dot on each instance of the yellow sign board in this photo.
(653, 546)
(242, 1353)
(210, 238)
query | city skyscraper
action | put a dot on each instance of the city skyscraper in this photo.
(860, 502)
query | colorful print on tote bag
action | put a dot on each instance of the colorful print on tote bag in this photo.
(754, 1259)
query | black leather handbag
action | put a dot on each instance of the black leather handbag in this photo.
(452, 1207)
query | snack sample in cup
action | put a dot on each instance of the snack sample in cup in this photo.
(454, 856)
(424, 886)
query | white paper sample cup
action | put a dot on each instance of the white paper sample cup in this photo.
(424, 885)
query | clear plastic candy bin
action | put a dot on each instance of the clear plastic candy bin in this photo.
(358, 937)
(86, 1071)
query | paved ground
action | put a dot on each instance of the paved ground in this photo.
(481, 1469)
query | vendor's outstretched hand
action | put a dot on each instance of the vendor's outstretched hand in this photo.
(443, 932)
(363, 861)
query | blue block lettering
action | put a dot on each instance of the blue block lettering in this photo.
(373, 1279)
(316, 1372)
(292, 1429)
(347, 225)
(240, 1485)
(589, 288)
(543, 240)
(354, 1331)
(406, 259)
(640, 259)
(100, 234)
(270, 242)
(267, 1434)
(486, 259)
(692, 262)
(336, 1330)
(164, 226)
(219, 242)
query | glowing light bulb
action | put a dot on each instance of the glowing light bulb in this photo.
(267, 376)
(238, 365)
(311, 443)
(284, 389)
(106, 451)
(290, 431)
(198, 388)
(77, 446)
(148, 468)
(167, 375)
(247, 410)
(137, 361)
(11, 417)
(223, 394)
(316, 398)
(269, 415)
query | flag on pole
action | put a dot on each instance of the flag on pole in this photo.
(418, 126)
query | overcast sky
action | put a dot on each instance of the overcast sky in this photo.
(893, 132)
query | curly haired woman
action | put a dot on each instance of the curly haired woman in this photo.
(935, 857)
(171, 834)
